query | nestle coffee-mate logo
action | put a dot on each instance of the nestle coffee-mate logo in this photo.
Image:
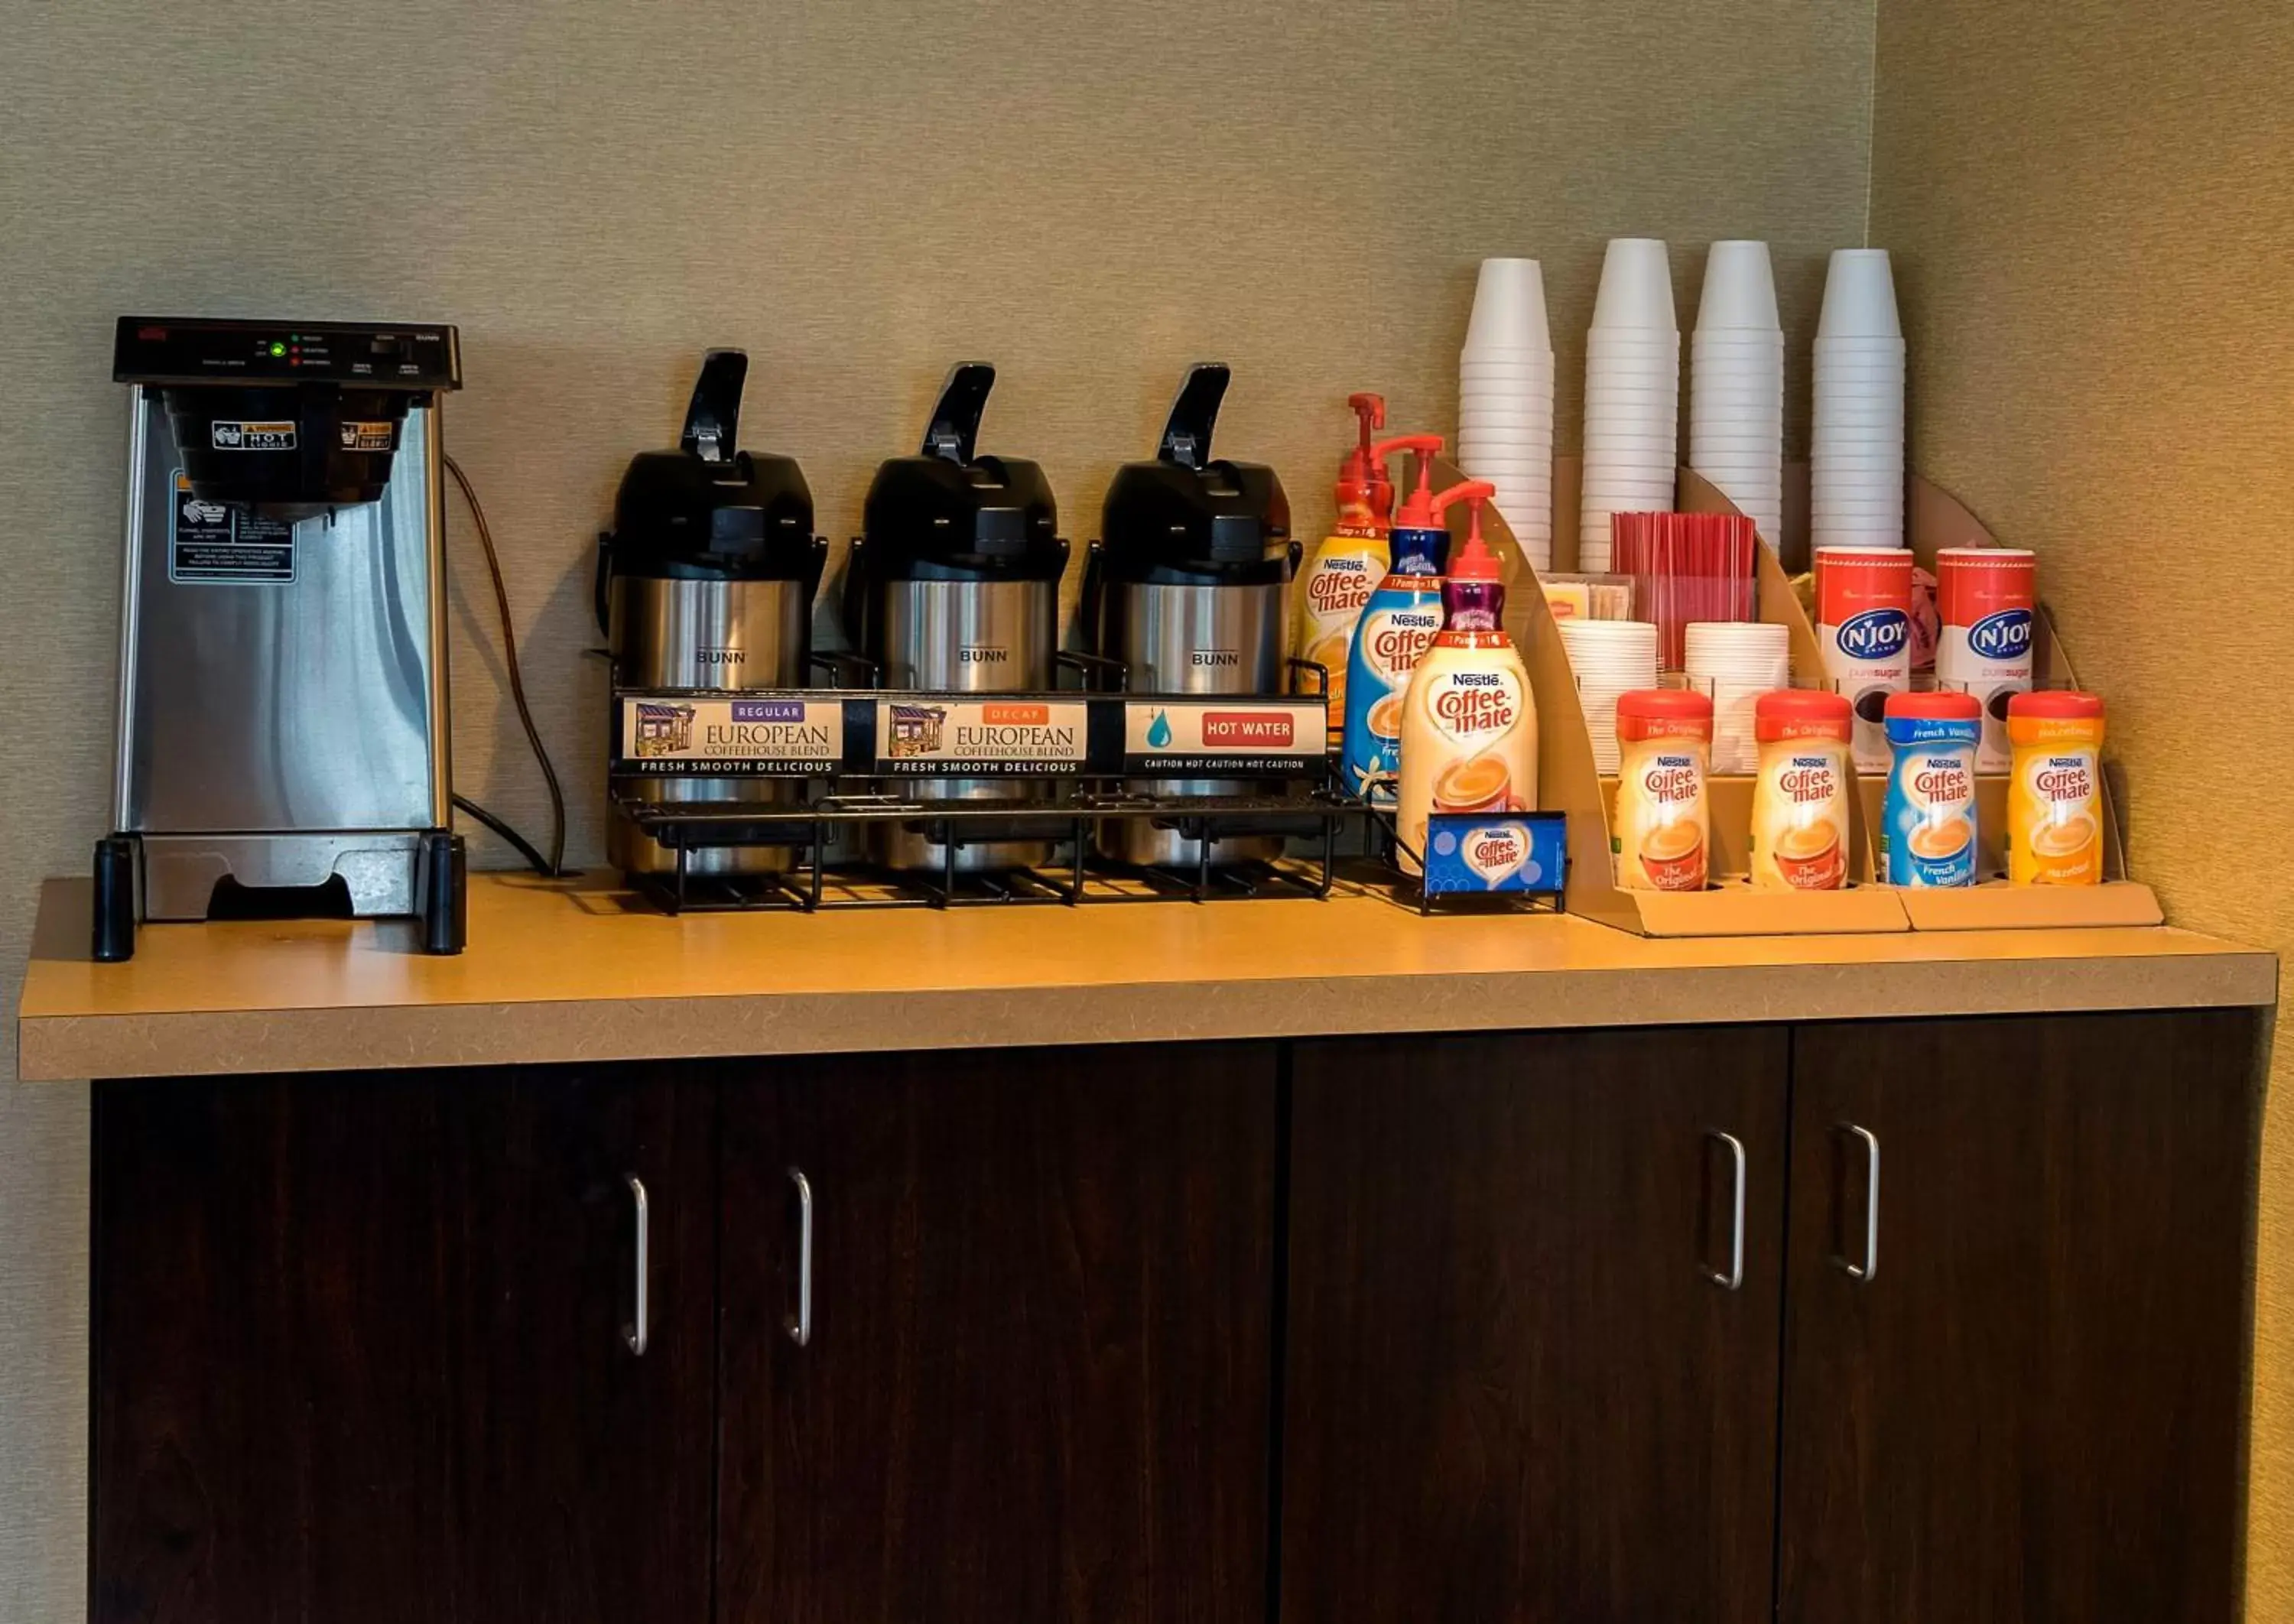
(1257, 729)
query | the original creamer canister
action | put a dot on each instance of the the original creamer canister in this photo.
(1927, 830)
(1863, 631)
(1800, 798)
(1986, 597)
(1663, 825)
(2055, 789)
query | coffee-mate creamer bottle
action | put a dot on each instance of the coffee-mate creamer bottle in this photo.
(1469, 725)
(1351, 561)
(1397, 625)
(2054, 799)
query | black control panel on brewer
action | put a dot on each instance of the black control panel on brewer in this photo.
(373, 354)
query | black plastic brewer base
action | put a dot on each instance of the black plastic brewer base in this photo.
(113, 938)
(444, 901)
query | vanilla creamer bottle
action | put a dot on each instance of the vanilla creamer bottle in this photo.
(1341, 572)
(1397, 625)
(1469, 725)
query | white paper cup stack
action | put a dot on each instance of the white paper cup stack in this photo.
(1856, 454)
(1610, 658)
(1632, 394)
(1505, 400)
(1736, 384)
(1734, 663)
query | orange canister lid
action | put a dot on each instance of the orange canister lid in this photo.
(1943, 705)
(1664, 713)
(1801, 713)
(2056, 704)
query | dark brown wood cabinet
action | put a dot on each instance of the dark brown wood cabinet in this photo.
(1525, 1379)
(2027, 1403)
(1036, 1378)
(360, 1349)
(1443, 1328)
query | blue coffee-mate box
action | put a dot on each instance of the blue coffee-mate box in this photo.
(1486, 854)
(1927, 827)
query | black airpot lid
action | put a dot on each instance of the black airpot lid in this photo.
(706, 511)
(947, 513)
(1187, 520)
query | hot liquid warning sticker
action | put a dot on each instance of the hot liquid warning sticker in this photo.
(216, 544)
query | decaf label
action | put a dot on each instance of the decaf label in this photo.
(676, 736)
(1003, 738)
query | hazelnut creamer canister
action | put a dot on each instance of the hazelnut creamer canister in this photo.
(1397, 625)
(2054, 793)
(1469, 725)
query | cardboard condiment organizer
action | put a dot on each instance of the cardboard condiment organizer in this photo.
(1569, 783)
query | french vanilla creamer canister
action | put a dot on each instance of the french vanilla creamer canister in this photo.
(1927, 827)
(1987, 599)
(1863, 631)
(1662, 828)
(1800, 797)
(2055, 789)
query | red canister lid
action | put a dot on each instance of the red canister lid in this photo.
(1943, 705)
(2073, 704)
(1801, 713)
(1664, 714)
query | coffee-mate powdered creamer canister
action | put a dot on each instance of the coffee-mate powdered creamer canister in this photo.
(1800, 799)
(1864, 630)
(1927, 829)
(1987, 599)
(2054, 794)
(1662, 829)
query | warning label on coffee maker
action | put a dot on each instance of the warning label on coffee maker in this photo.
(218, 544)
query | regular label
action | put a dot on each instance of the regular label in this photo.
(766, 737)
(244, 436)
(217, 544)
(991, 738)
(1230, 738)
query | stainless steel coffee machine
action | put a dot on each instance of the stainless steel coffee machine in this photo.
(955, 586)
(706, 580)
(1188, 589)
(282, 743)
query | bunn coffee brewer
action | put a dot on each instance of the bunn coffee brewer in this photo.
(954, 587)
(1187, 589)
(283, 743)
(706, 580)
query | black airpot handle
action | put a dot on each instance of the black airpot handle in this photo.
(955, 419)
(712, 421)
(1187, 431)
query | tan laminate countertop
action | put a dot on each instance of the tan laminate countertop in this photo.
(580, 972)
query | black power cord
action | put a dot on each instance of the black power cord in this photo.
(554, 867)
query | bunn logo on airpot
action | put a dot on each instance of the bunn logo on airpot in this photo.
(2004, 635)
(1213, 658)
(983, 654)
(721, 656)
(1876, 634)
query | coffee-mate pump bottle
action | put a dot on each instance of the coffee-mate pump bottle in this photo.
(1397, 625)
(1469, 724)
(1347, 567)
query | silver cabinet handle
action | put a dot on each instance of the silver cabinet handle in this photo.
(634, 1334)
(1870, 1266)
(799, 1325)
(1732, 1278)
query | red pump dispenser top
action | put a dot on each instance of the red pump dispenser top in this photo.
(1366, 496)
(1474, 560)
(1418, 510)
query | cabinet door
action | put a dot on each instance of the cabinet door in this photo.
(1036, 1382)
(2026, 1406)
(360, 1350)
(1516, 1391)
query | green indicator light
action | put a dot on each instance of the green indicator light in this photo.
(278, 348)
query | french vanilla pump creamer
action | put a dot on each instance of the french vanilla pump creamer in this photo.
(1469, 725)
(1397, 625)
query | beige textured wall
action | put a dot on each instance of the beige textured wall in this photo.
(2093, 214)
(859, 191)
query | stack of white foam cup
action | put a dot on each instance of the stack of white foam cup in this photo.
(1632, 394)
(1734, 663)
(1737, 385)
(1505, 400)
(1609, 658)
(1856, 453)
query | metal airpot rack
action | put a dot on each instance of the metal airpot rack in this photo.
(838, 754)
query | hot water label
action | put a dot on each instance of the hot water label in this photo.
(216, 544)
(1475, 853)
(690, 736)
(1233, 738)
(942, 738)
